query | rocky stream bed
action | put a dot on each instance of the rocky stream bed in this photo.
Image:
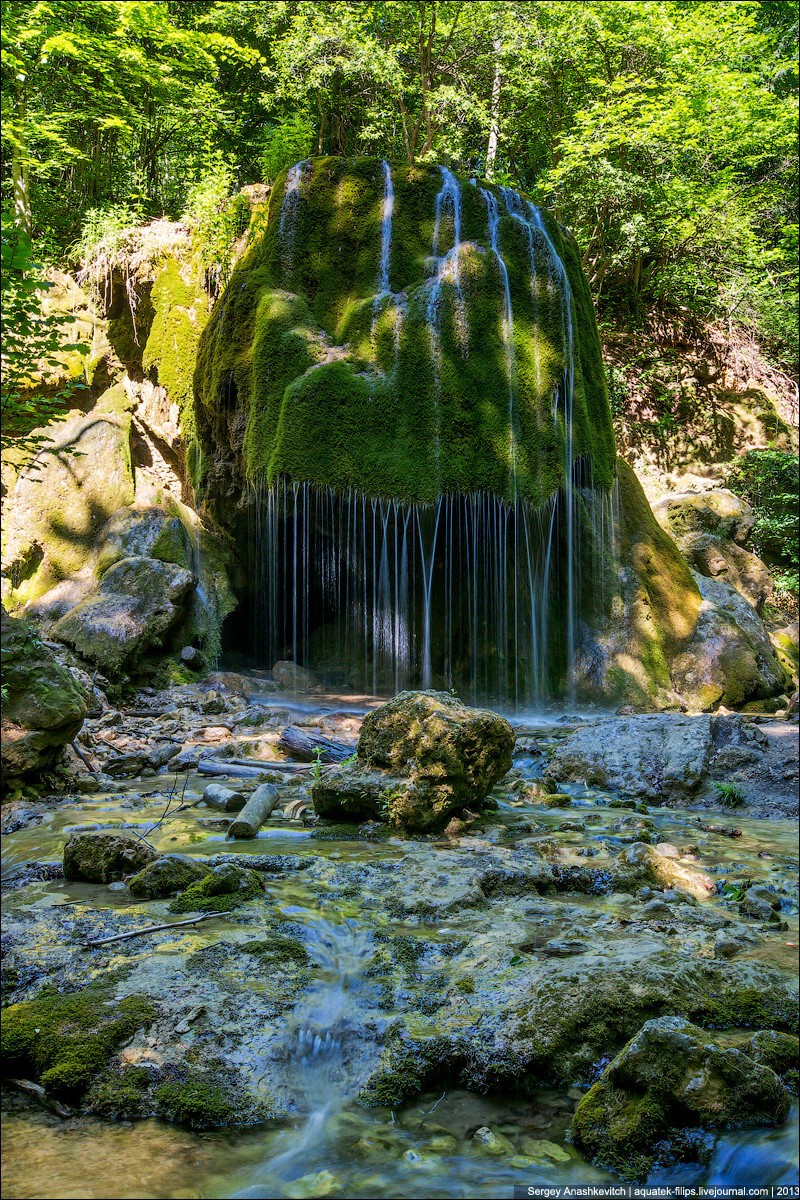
(519, 997)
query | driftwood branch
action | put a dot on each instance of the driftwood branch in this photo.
(313, 747)
(38, 1093)
(121, 937)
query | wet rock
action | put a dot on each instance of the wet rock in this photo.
(760, 891)
(651, 756)
(671, 1075)
(167, 876)
(293, 678)
(421, 758)
(224, 887)
(728, 944)
(778, 1051)
(665, 872)
(485, 1141)
(137, 603)
(192, 658)
(100, 857)
(756, 908)
(44, 707)
(543, 1152)
(148, 532)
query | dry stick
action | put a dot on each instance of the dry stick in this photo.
(120, 937)
(84, 759)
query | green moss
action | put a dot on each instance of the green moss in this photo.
(180, 313)
(65, 1040)
(615, 1129)
(338, 387)
(121, 1094)
(276, 949)
(225, 888)
(196, 1102)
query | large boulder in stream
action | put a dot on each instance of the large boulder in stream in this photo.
(670, 1077)
(104, 856)
(138, 601)
(44, 706)
(421, 758)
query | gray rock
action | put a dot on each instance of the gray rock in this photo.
(192, 658)
(293, 678)
(45, 705)
(100, 857)
(138, 601)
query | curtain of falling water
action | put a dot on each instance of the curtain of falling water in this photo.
(469, 591)
(464, 592)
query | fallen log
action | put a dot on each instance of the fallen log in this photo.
(725, 830)
(37, 1091)
(121, 937)
(254, 813)
(313, 747)
(217, 796)
(216, 766)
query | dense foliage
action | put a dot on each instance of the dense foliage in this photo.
(662, 131)
(768, 479)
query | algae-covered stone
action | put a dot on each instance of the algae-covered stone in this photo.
(671, 1075)
(100, 857)
(147, 532)
(137, 603)
(778, 1051)
(65, 1039)
(663, 871)
(44, 705)
(166, 876)
(421, 757)
(223, 888)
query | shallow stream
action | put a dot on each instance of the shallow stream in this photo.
(333, 1146)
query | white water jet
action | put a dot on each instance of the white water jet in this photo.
(387, 212)
(506, 325)
(288, 218)
(447, 268)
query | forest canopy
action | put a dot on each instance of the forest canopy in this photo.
(664, 134)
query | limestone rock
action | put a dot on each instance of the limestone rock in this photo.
(718, 512)
(102, 857)
(648, 756)
(138, 601)
(421, 758)
(148, 532)
(45, 704)
(167, 876)
(671, 1075)
(59, 504)
(665, 872)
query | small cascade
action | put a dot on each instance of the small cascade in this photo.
(380, 595)
(387, 211)
(507, 325)
(328, 1056)
(288, 219)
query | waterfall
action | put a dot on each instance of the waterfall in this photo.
(387, 211)
(446, 267)
(507, 325)
(380, 595)
(470, 591)
(288, 218)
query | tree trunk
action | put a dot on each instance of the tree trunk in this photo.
(310, 746)
(254, 813)
(20, 172)
(494, 124)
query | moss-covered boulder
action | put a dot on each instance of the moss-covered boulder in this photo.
(402, 386)
(82, 474)
(671, 1076)
(223, 888)
(104, 856)
(167, 876)
(137, 603)
(778, 1051)
(44, 705)
(149, 532)
(66, 1040)
(421, 757)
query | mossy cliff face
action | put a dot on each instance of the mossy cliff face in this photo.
(320, 366)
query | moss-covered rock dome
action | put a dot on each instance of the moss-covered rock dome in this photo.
(407, 333)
